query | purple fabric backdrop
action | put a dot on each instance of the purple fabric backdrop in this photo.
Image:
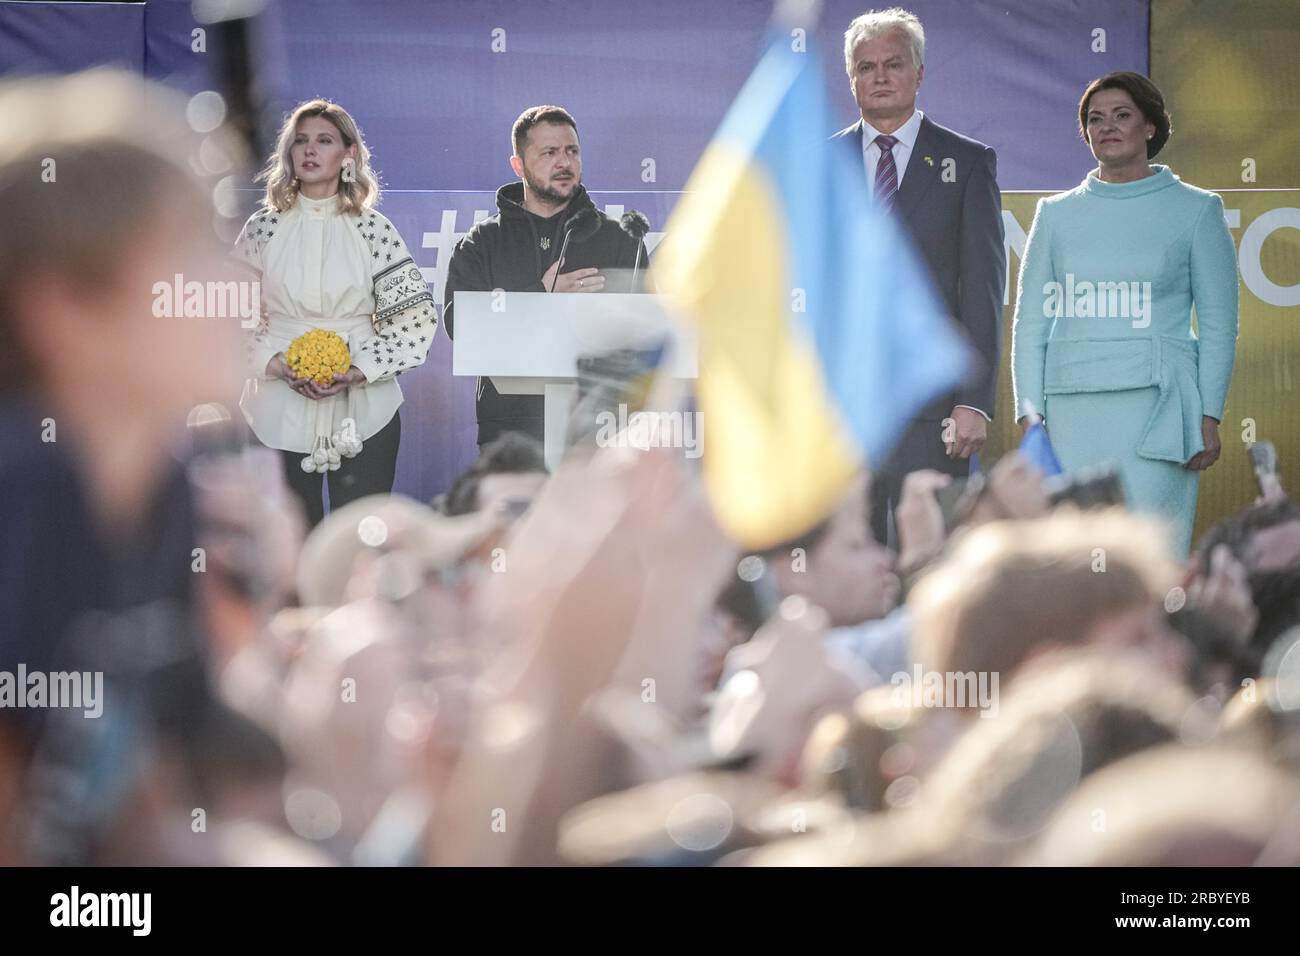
(62, 37)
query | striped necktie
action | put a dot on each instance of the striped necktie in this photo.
(886, 172)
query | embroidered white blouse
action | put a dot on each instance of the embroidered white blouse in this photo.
(350, 274)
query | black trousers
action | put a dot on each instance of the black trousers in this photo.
(921, 447)
(370, 473)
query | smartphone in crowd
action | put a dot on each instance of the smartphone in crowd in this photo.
(1263, 459)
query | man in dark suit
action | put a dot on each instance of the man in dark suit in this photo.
(943, 188)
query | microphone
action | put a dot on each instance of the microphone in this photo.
(581, 226)
(636, 225)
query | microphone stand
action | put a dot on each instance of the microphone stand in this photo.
(636, 266)
(568, 231)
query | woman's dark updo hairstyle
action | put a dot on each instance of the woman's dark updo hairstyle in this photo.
(1147, 98)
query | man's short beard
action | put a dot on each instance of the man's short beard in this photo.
(546, 194)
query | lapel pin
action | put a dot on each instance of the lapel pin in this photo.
(929, 161)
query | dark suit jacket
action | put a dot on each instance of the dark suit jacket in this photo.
(957, 228)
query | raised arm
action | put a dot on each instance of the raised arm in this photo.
(1214, 293)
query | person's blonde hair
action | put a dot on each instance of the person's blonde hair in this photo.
(1012, 587)
(1072, 714)
(1067, 714)
(356, 195)
(1178, 806)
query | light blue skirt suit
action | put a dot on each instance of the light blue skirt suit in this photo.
(1102, 341)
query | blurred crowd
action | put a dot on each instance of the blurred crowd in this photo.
(574, 667)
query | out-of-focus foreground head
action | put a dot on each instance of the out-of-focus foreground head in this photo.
(507, 476)
(108, 196)
(1011, 590)
(1066, 716)
(1002, 783)
(399, 577)
(1176, 807)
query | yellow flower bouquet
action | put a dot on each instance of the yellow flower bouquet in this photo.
(318, 355)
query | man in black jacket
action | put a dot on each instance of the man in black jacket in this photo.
(518, 249)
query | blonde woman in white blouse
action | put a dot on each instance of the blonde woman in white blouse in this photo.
(328, 260)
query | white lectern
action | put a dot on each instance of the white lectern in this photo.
(529, 343)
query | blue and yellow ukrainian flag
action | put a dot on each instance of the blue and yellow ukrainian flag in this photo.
(819, 334)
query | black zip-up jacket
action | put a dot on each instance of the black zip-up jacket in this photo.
(511, 251)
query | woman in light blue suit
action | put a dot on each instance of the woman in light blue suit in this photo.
(1102, 343)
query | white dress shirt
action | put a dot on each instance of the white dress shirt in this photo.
(902, 151)
(906, 136)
